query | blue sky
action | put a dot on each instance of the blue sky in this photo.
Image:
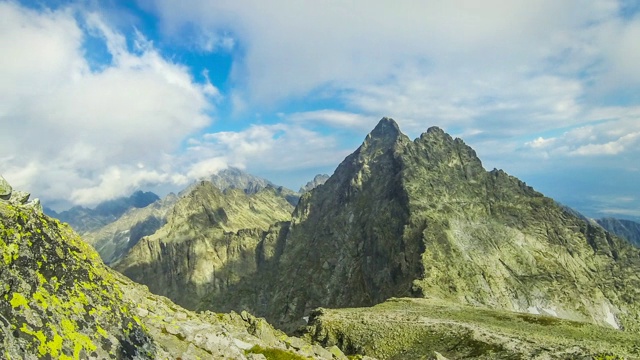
(101, 98)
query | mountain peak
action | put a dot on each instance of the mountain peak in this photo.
(387, 127)
(435, 130)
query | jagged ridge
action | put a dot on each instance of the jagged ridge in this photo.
(424, 218)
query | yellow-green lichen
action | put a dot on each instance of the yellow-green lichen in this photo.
(80, 341)
(19, 300)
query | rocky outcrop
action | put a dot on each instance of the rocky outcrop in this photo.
(317, 181)
(208, 244)
(626, 229)
(5, 189)
(59, 301)
(17, 198)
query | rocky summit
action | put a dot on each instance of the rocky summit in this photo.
(59, 301)
(403, 218)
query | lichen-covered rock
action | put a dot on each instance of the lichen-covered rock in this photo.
(58, 299)
(5, 189)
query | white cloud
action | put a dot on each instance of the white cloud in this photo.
(266, 147)
(540, 142)
(614, 147)
(619, 135)
(507, 67)
(304, 46)
(333, 118)
(115, 181)
(81, 129)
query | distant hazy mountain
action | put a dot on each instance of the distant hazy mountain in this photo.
(84, 219)
(234, 178)
(115, 226)
(317, 181)
(626, 229)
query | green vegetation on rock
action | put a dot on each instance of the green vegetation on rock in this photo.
(59, 300)
(417, 328)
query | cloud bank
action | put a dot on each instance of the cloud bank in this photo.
(535, 87)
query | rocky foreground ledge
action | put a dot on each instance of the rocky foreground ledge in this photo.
(59, 301)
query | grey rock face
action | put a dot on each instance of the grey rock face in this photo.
(5, 189)
(626, 229)
(17, 197)
(209, 243)
(114, 240)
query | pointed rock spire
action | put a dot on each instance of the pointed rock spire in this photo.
(386, 128)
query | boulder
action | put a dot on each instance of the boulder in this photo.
(5, 189)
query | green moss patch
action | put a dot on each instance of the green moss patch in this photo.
(275, 354)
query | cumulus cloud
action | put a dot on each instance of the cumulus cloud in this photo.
(617, 136)
(278, 146)
(519, 80)
(86, 131)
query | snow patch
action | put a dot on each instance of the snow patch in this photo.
(609, 317)
(533, 310)
(549, 312)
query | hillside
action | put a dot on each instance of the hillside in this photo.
(61, 302)
(409, 328)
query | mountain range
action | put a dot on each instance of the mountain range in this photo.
(410, 249)
(399, 218)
